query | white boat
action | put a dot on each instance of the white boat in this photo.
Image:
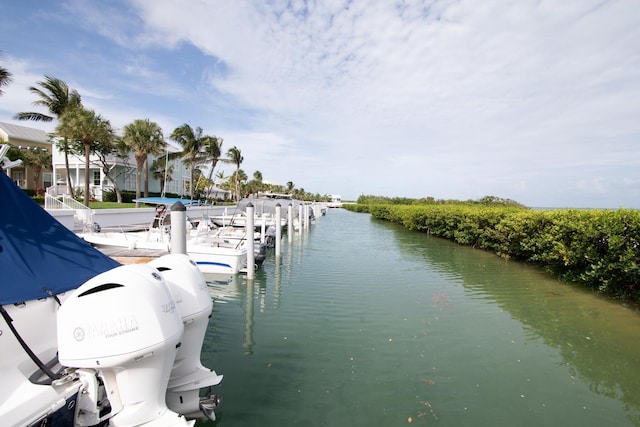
(235, 237)
(211, 256)
(238, 219)
(336, 201)
(87, 342)
(217, 257)
(264, 211)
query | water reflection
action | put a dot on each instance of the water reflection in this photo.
(248, 341)
(597, 338)
(236, 289)
(224, 288)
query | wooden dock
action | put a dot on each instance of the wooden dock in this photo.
(132, 256)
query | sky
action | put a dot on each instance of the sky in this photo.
(536, 101)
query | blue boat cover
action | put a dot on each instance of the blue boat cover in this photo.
(39, 255)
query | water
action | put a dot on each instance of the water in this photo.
(363, 323)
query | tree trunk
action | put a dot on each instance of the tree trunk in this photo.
(210, 183)
(146, 177)
(66, 166)
(238, 184)
(87, 153)
(193, 176)
(139, 163)
(115, 186)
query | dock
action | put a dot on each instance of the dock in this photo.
(132, 256)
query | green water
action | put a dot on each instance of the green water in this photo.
(362, 323)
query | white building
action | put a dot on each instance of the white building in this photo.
(122, 170)
(54, 179)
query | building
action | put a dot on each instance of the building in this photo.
(122, 170)
(53, 177)
(26, 176)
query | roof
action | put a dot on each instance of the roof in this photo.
(24, 133)
(39, 255)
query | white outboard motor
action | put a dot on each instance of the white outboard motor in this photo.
(123, 324)
(194, 304)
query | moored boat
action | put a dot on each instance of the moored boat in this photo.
(211, 256)
(86, 341)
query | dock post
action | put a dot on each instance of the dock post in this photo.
(300, 218)
(263, 227)
(250, 241)
(178, 228)
(290, 222)
(278, 229)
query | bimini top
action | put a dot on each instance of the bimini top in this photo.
(165, 201)
(38, 255)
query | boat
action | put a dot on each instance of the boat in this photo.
(238, 219)
(264, 211)
(336, 201)
(211, 256)
(236, 236)
(85, 341)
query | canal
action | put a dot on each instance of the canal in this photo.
(363, 323)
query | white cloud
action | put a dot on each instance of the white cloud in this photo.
(448, 98)
(17, 97)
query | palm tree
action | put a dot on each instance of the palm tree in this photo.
(84, 127)
(56, 97)
(193, 143)
(240, 178)
(235, 156)
(161, 172)
(5, 77)
(212, 151)
(144, 137)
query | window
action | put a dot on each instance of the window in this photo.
(96, 178)
(18, 178)
(47, 179)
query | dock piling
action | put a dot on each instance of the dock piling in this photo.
(179, 228)
(250, 242)
(278, 229)
(290, 222)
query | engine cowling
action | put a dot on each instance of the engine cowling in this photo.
(194, 303)
(124, 324)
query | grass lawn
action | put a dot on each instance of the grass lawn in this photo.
(111, 205)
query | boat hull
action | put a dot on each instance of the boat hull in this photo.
(218, 259)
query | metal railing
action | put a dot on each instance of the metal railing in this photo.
(63, 201)
(82, 215)
(51, 202)
(72, 203)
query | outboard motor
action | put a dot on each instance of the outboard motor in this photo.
(194, 304)
(124, 325)
(270, 236)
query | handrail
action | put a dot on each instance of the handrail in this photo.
(82, 214)
(72, 203)
(51, 202)
(67, 202)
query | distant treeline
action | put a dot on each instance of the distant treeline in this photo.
(485, 201)
(595, 248)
